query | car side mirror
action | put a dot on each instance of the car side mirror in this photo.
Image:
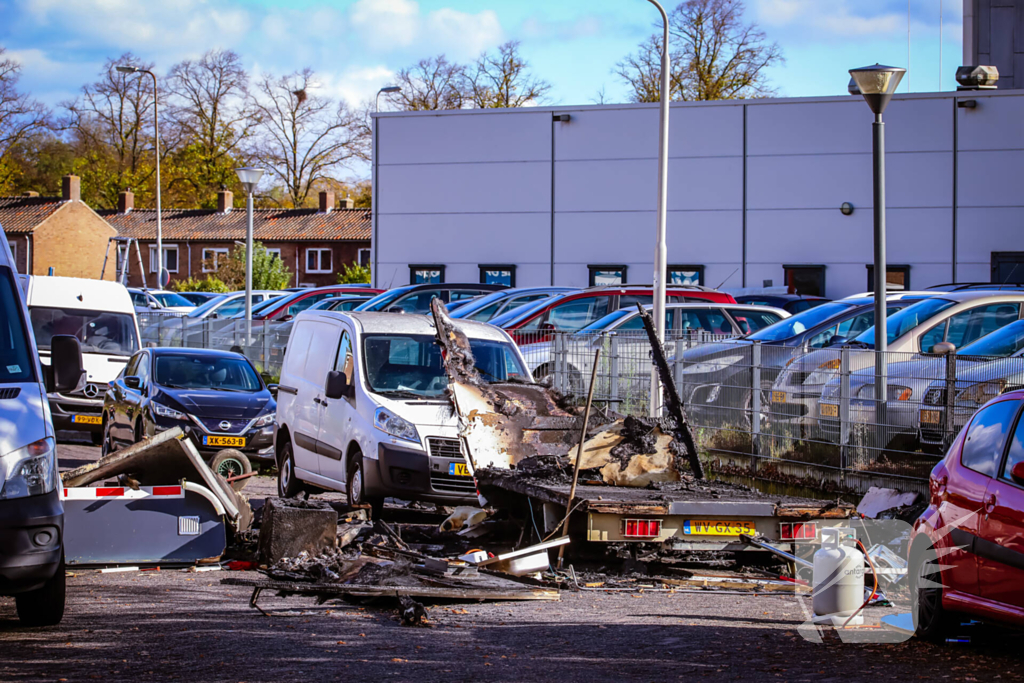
(337, 385)
(548, 327)
(836, 340)
(272, 388)
(1017, 473)
(133, 382)
(944, 347)
(154, 305)
(66, 363)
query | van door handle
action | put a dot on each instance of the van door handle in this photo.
(318, 401)
(287, 389)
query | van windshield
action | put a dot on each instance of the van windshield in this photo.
(411, 364)
(98, 331)
(15, 362)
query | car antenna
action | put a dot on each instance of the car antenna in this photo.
(727, 279)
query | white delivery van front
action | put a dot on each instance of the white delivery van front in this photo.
(101, 316)
(362, 406)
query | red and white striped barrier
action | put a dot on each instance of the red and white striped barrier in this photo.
(122, 492)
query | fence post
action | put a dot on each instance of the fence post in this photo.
(182, 342)
(613, 371)
(557, 344)
(949, 401)
(755, 399)
(844, 409)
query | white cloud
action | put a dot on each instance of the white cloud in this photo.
(388, 26)
(815, 19)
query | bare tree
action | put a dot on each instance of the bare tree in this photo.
(502, 79)
(301, 136)
(716, 56)
(20, 116)
(432, 83)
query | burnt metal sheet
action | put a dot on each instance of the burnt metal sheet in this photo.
(729, 508)
(483, 587)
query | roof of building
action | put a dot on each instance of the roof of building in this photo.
(22, 215)
(268, 224)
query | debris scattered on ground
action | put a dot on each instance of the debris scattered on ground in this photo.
(291, 526)
(411, 612)
(878, 500)
(464, 517)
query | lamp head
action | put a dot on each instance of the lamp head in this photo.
(249, 177)
(877, 84)
(127, 69)
(391, 88)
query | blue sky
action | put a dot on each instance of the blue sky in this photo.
(355, 45)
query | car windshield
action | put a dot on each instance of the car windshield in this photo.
(15, 362)
(410, 364)
(200, 311)
(1004, 342)
(898, 324)
(800, 323)
(381, 301)
(604, 323)
(523, 312)
(98, 331)
(172, 299)
(194, 371)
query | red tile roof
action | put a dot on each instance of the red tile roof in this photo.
(278, 225)
(22, 215)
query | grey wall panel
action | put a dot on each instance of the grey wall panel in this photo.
(819, 236)
(808, 182)
(1002, 114)
(920, 236)
(991, 178)
(476, 137)
(477, 238)
(797, 127)
(984, 230)
(465, 188)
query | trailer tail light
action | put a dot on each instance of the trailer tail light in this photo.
(642, 528)
(798, 531)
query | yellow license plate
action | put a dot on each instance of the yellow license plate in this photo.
(87, 419)
(778, 397)
(700, 527)
(458, 469)
(931, 417)
(828, 410)
(233, 441)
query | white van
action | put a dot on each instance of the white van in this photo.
(361, 406)
(31, 510)
(102, 317)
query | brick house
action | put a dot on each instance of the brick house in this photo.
(61, 233)
(314, 243)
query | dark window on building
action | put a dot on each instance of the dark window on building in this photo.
(607, 275)
(806, 280)
(897, 278)
(364, 257)
(685, 275)
(498, 275)
(426, 274)
(1008, 267)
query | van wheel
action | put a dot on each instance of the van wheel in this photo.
(287, 484)
(355, 487)
(232, 463)
(44, 606)
(930, 618)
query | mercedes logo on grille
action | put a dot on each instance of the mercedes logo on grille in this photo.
(91, 391)
(224, 426)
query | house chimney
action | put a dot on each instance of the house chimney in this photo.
(71, 188)
(347, 203)
(31, 193)
(326, 202)
(225, 198)
(125, 201)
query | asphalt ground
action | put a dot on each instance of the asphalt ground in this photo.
(174, 625)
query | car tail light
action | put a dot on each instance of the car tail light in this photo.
(642, 528)
(798, 531)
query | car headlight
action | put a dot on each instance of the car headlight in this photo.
(29, 471)
(982, 392)
(389, 423)
(163, 411)
(824, 372)
(266, 420)
(714, 365)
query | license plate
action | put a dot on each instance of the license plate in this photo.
(87, 419)
(233, 441)
(931, 417)
(700, 527)
(458, 469)
(828, 410)
(778, 397)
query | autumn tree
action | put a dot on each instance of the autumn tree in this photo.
(430, 84)
(20, 117)
(503, 79)
(714, 55)
(300, 136)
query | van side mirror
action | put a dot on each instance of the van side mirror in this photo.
(337, 385)
(1017, 473)
(66, 363)
(133, 382)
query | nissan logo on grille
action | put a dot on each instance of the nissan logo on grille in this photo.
(91, 390)
(225, 426)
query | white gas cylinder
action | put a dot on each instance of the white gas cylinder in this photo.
(838, 579)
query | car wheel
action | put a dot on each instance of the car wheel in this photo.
(140, 432)
(287, 484)
(930, 617)
(232, 463)
(355, 487)
(97, 438)
(44, 606)
(106, 445)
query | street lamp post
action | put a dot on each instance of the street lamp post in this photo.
(877, 84)
(156, 133)
(373, 184)
(661, 251)
(249, 177)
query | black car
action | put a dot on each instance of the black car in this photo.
(791, 303)
(216, 397)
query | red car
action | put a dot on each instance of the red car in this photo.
(967, 549)
(290, 306)
(573, 311)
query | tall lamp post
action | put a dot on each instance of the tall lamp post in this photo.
(156, 134)
(877, 84)
(373, 184)
(249, 177)
(661, 251)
